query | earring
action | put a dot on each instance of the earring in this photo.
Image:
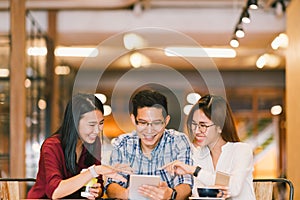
(219, 129)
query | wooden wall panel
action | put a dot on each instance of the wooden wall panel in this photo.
(17, 89)
(292, 95)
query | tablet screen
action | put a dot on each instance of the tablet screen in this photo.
(135, 181)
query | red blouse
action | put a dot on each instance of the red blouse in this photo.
(52, 169)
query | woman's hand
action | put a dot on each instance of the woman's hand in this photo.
(179, 168)
(95, 190)
(224, 191)
(124, 168)
(112, 172)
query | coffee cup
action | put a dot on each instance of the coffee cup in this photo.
(208, 192)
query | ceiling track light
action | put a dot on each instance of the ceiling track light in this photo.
(252, 4)
(239, 32)
(283, 6)
(279, 7)
(245, 17)
(234, 42)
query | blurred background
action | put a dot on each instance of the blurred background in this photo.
(185, 49)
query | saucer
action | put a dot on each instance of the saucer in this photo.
(206, 198)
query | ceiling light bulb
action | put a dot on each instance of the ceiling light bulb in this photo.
(193, 97)
(37, 51)
(137, 60)
(187, 109)
(246, 20)
(273, 60)
(62, 70)
(133, 41)
(76, 52)
(240, 33)
(253, 7)
(284, 40)
(42, 104)
(280, 7)
(101, 97)
(276, 110)
(246, 17)
(252, 4)
(269, 60)
(107, 110)
(281, 40)
(234, 42)
(275, 43)
(261, 62)
(4, 72)
(27, 83)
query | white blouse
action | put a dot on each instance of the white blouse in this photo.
(236, 160)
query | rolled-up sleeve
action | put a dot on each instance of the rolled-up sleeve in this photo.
(53, 168)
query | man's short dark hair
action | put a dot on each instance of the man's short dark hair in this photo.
(149, 98)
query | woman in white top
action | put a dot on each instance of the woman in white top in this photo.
(217, 148)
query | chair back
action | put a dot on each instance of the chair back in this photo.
(265, 189)
(11, 188)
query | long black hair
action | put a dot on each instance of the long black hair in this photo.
(68, 131)
(217, 109)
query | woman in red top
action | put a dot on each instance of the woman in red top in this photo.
(73, 147)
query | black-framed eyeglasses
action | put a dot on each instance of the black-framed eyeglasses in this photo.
(202, 127)
(156, 125)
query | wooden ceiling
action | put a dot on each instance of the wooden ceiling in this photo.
(210, 23)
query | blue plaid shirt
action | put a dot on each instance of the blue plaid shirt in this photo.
(172, 146)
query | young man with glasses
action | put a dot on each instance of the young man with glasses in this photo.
(150, 147)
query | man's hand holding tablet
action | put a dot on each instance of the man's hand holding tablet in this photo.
(138, 181)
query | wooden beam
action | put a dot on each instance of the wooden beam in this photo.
(52, 78)
(72, 4)
(17, 89)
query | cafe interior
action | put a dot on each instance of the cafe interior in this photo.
(52, 49)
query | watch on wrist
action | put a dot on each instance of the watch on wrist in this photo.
(174, 194)
(197, 170)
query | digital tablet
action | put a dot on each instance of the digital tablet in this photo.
(135, 181)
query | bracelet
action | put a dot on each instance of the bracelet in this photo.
(93, 171)
(197, 170)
